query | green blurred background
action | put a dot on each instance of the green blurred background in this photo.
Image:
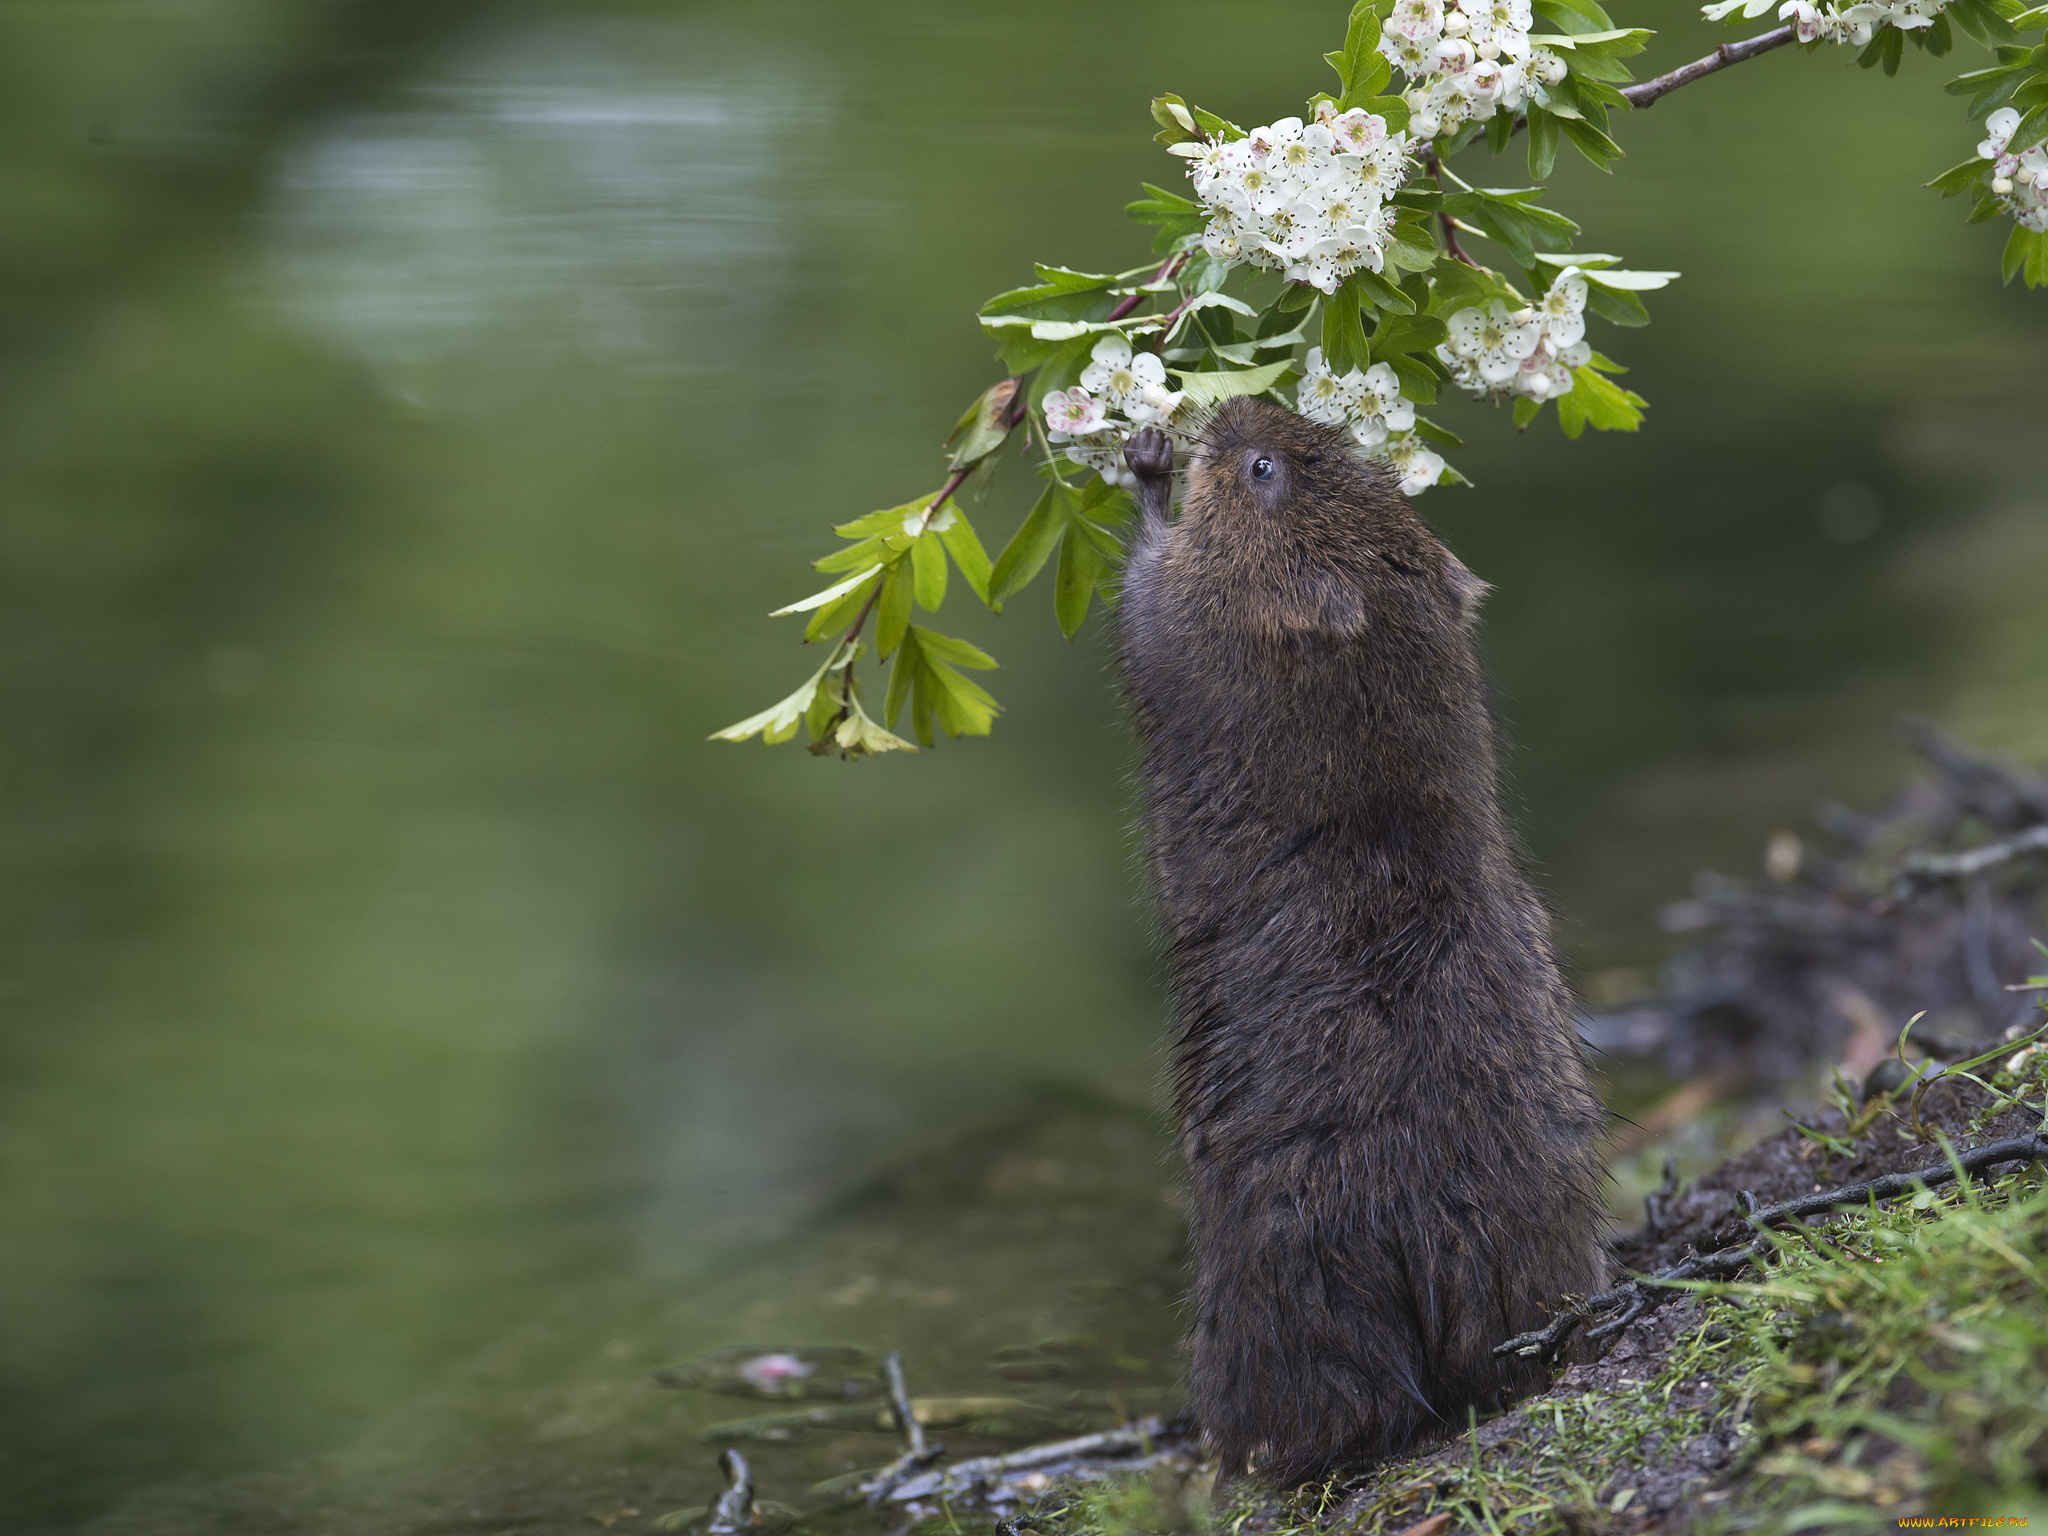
(409, 413)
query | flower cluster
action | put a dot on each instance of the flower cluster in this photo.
(2019, 182)
(1119, 395)
(1306, 199)
(1813, 23)
(1466, 60)
(1528, 352)
(1368, 404)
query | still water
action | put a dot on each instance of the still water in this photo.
(415, 1034)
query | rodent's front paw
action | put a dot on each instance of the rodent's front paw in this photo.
(1150, 454)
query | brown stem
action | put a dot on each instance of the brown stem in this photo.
(1171, 267)
(1648, 92)
(1434, 166)
(1728, 53)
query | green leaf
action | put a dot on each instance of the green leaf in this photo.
(1981, 22)
(1960, 178)
(1592, 143)
(928, 573)
(1542, 143)
(2026, 255)
(1032, 545)
(1407, 333)
(831, 594)
(1355, 63)
(1430, 432)
(1162, 206)
(1295, 296)
(984, 426)
(1080, 572)
(1576, 16)
(1526, 411)
(779, 721)
(1891, 45)
(1456, 286)
(1393, 108)
(1511, 218)
(1374, 289)
(924, 676)
(958, 652)
(858, 736)
(964, 545)
(1594, 401)
(1418, 382)
(2032, 126)
(1173, 116)
(861, 556)
(1213, 388)
(1617, 306)
(1344, 345)
(892, 613)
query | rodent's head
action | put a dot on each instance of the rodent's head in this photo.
(1263, 478)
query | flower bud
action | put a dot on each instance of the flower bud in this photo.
(2001, 186)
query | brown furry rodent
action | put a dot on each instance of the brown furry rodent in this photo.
(1387, 1127)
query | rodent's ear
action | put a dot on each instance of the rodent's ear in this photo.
(1466, 589)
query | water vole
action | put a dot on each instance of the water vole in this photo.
(1387, 1127)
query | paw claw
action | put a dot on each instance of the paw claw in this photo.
(1150, 454)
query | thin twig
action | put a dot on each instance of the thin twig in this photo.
(1650, 91)
(917, 1455)
(734, 1509)
(1930, 868)
(1170, 269)
(1715, 1257)
(1435, 167)
(982, 1472)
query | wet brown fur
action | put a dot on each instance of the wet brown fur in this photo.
(1387, 1127)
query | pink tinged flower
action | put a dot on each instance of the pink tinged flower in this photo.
(1358, 131)
(1416, 18)
(768, 1373)
(1074, 413)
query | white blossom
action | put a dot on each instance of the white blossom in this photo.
(2019, 183)
(1368, 405)
(1855, 24)
(1529, 352)
(1465, 60)
(1120, 394)
(1305, 199)
(1418, 465)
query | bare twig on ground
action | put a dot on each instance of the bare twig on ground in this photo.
(917, 1454)
(1116, 1447)
(734, 1510)
(1929, 868)
(1714, 1258)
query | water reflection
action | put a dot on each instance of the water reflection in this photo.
(619, 187)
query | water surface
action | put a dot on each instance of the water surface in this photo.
(405, 424)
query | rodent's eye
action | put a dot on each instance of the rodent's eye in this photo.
(1262, 469)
